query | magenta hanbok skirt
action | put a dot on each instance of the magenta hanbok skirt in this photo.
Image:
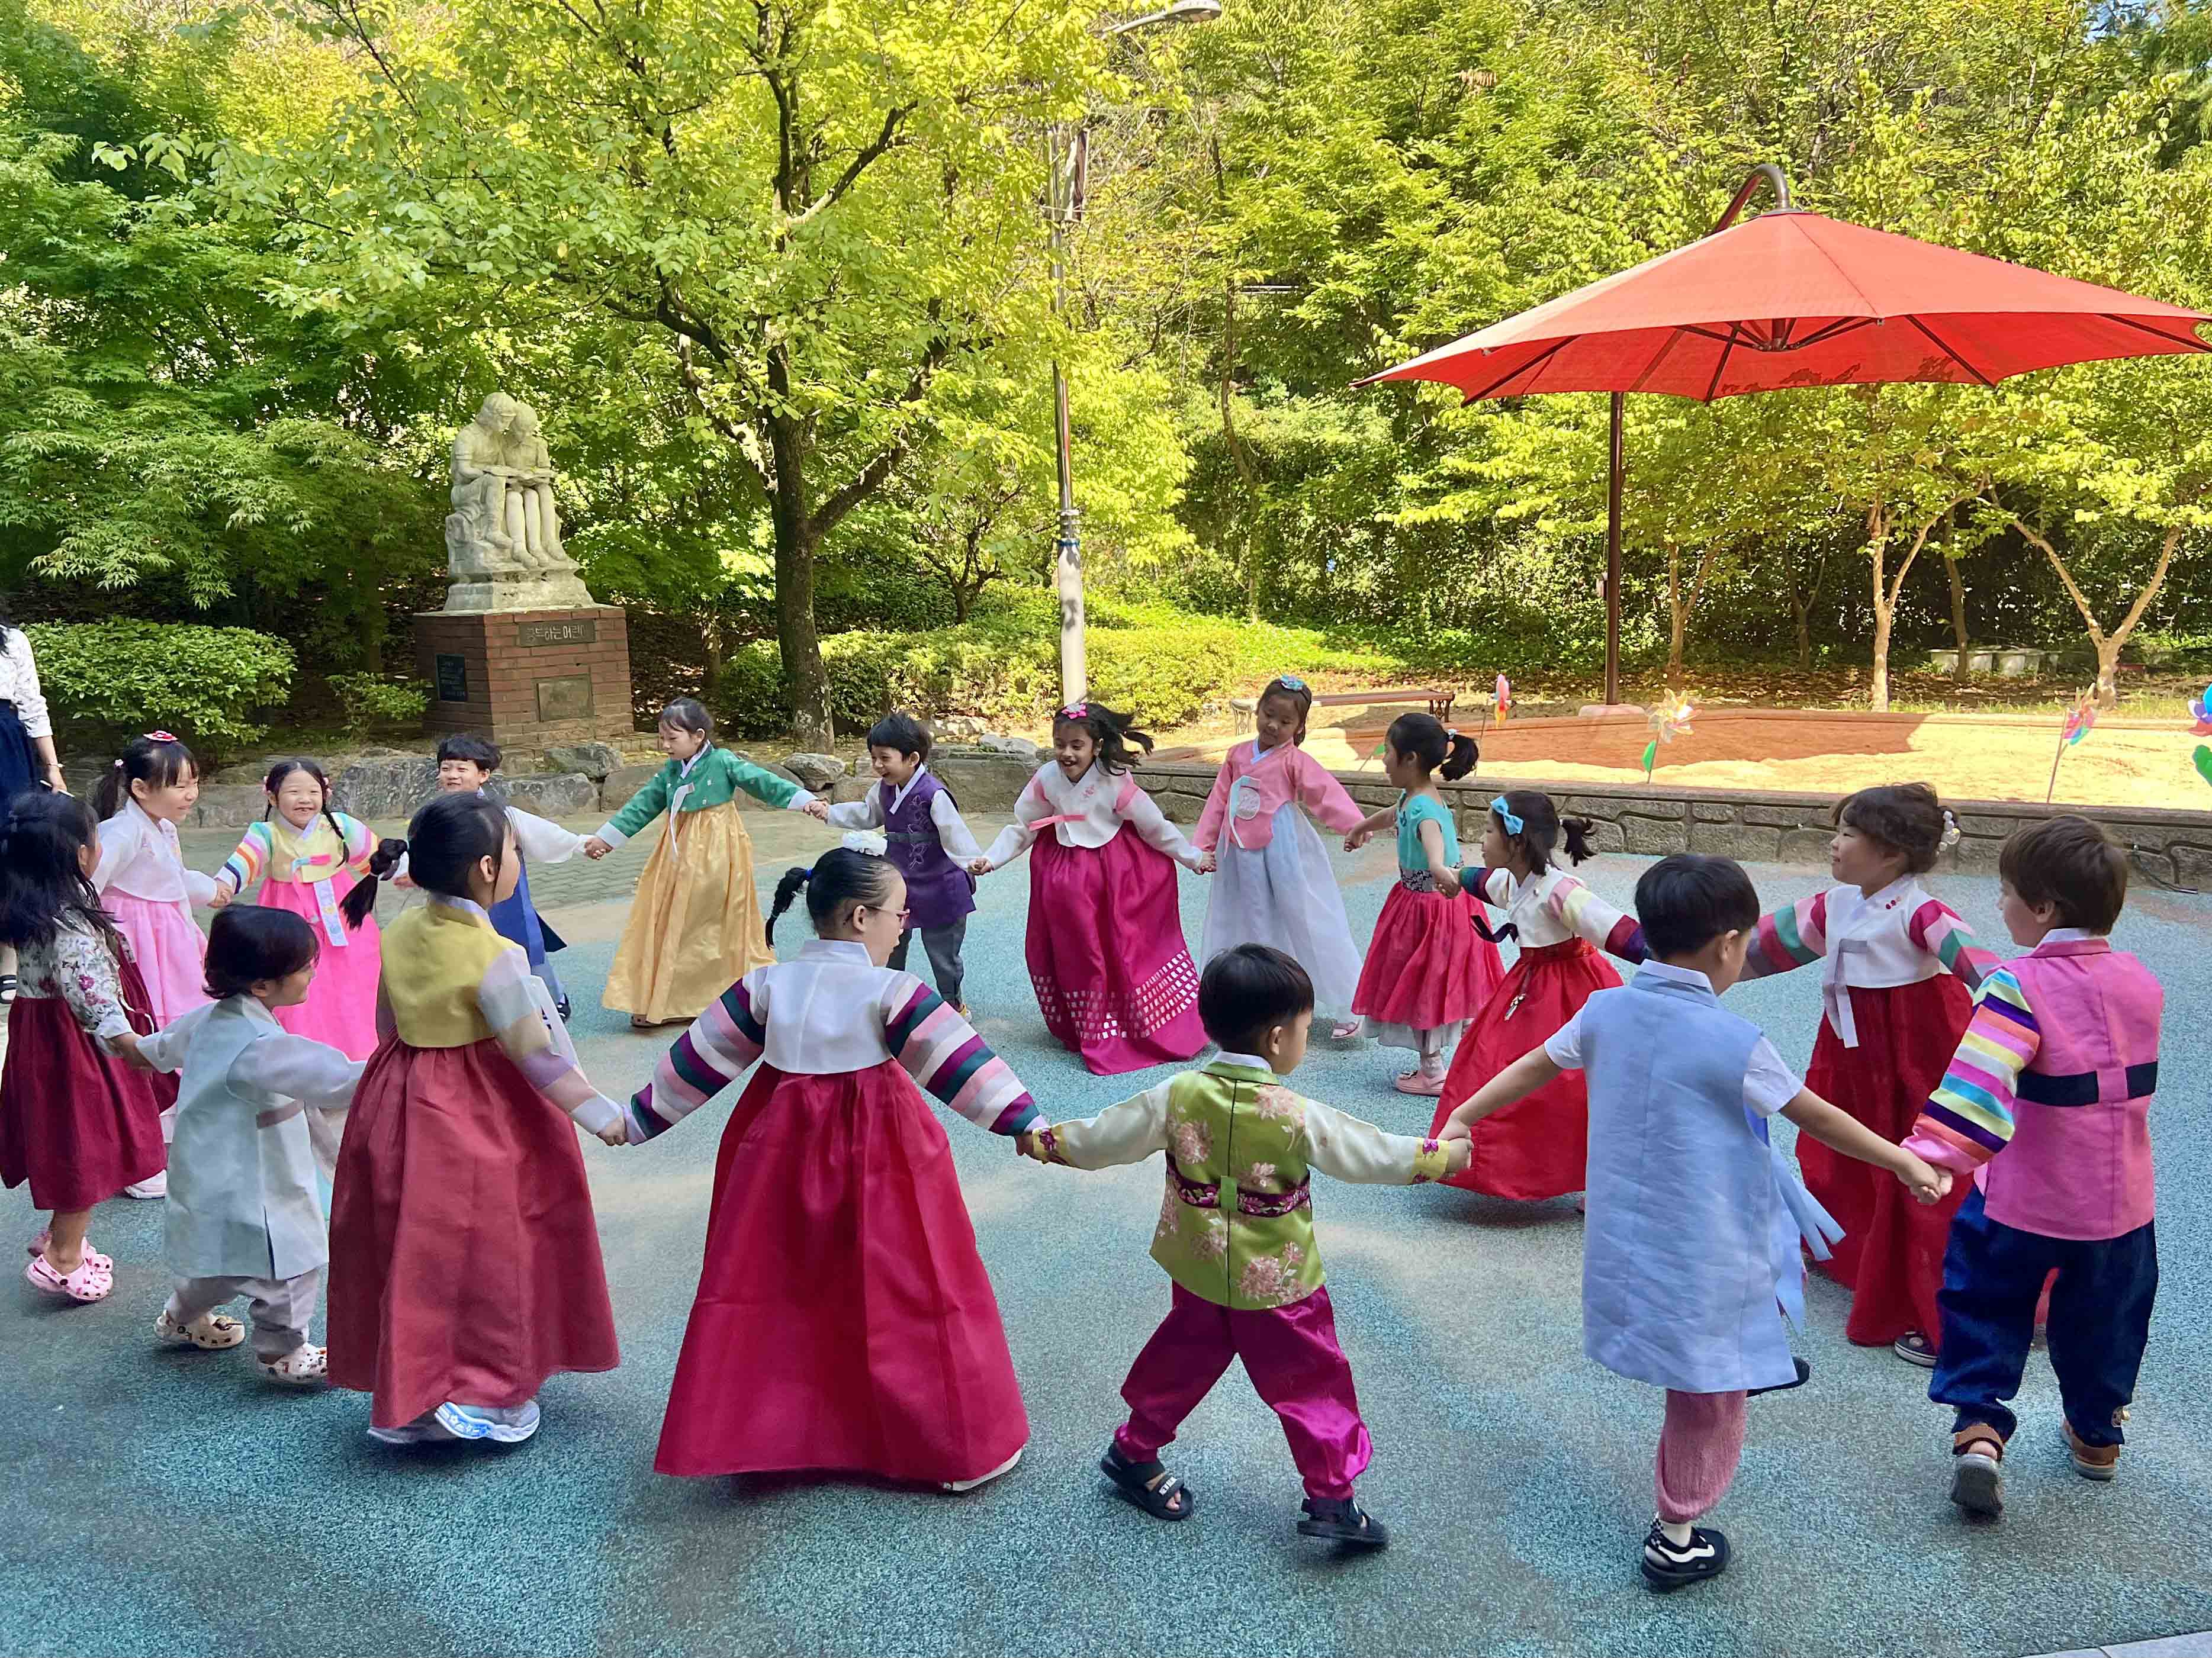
(170, 949)
(341, 1004)
(1114, 979)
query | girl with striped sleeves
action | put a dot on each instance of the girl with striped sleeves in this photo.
(844, 1321)
(1900, 970)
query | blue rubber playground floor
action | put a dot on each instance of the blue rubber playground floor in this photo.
(168, 1502)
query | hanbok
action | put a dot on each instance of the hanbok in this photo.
(1428, 967)
(308, 872)
(142, 883)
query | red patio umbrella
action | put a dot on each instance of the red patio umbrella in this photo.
(1792, 299)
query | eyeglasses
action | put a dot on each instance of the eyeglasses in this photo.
(879, 910)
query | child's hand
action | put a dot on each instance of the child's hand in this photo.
(1357, 838)
(222, 897)
(617, 1133)
(1454, 1132)
(595, 847)
(1460, 1155)
(407, 881)
(127, 1047)
(1207, 864)
(979, 866)
(817, 810)
(1926, 1183)
(1026, 1144)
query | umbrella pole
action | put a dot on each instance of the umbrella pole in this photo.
(1612, 560)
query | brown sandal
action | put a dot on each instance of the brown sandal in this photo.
(1978, 1471)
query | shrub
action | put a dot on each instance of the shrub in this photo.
(369, 700)
(108, 681)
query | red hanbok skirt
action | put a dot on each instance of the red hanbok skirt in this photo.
(465, 1255)
(76, 1123)
(844, 1321)
(1891, 1258)
(1537, 1147)
(1113, 976)
(1427, 966)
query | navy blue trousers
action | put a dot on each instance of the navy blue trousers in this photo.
(2100, 1306)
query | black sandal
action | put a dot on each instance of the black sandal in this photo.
(1344, 1521)
(1135, 1481)
(1804, 1374)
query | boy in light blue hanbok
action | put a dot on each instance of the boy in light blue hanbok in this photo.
(1694, 1218)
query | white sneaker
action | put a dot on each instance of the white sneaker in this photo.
(157, 1186)
(508, 1426)
(423, 1430)
(980, 1479)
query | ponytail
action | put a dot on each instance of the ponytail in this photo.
(840, 878)
(1449, 754)
(1461, 758)
(793, 882)
(1576, 832)
(1542, 828)
(357, 904)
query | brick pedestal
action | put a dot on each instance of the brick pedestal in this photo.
(527, 676)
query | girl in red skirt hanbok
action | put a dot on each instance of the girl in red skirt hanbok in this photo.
(465, 1255)
(1431, 963)
(76, 1121)
(1114, 979)
(1900, 970)
(1537, 1147)
(844, 1321)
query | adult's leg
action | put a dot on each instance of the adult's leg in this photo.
(1298, 1368)
(1992, 1274)
(2100, 1324)
(1699, 1446)
(1177, 1367)
(944, 945)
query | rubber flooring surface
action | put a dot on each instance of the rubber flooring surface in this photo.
(172, 1503)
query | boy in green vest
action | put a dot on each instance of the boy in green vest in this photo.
(1235, 1235)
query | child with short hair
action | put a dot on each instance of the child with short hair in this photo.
(923, 835)
(1430, 964)
(245, 1214)
(2047, 1104)
(75, 1119)
(1275, 885)
(1898, 974)
(695, 924)
(465, 764)
(1235, 1236)
(1691, 1248)
(1113, 976)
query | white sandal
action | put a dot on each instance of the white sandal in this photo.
(211, 1333)
(306, 1366)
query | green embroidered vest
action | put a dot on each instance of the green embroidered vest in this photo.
(1236, 1222)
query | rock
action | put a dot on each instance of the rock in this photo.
(554, 794)
(850, 788)
(815, 771)
(384, 788)
(230, 805)
(619, 784)
(374, 752)
(593, 760)
(983, 784)
(1020, 747)
(956, 724)
(247, 774)
(747, 803)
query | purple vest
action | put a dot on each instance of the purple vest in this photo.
(2079, 1165)
(938, 891)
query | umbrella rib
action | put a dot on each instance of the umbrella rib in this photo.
(2189, 340)
(1727, 346)
(1821, 336)
(1659, 357)
(1537, 361)
(1949, 353)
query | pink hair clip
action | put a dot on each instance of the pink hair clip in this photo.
(1076, 711)
(159, 737)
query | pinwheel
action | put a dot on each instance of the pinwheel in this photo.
(2200, 710)
(2080, 720)
(1504, 698)
(1670, 720)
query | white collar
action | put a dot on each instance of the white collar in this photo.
(440, 900)
(851, 952)
(1260, 754)
(2067, 935)
(1886, 897)
(899, 794)
(255, 1009)
(1249, 1061)
(1667, 974)
(160, 825)
(684, 767)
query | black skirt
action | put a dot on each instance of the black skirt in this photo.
(19, 763)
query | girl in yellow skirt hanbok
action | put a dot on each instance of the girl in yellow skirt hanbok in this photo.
(695, 928)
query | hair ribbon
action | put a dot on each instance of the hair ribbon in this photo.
(1290, 682)
(1512, 820)
(159, 737)
(1076, 711)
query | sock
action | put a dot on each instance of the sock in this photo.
(1676, 1532)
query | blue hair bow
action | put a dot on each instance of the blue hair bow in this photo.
(1512, 821)
(1289, 684)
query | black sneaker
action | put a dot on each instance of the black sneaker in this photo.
(1915, 1348)
(1804, 1374)
(563, 1007)
(1669, 1565)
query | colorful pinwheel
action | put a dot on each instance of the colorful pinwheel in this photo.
(1670, 720)
(2200, 710)
(2080, 720)
(1502, 699)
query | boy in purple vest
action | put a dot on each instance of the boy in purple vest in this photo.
(925, 838)
(2057, 1072)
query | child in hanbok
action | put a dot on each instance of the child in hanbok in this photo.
(1898, 982)
(245, 1215)
(1537, 1148)
(1113, 977)
(925, 837)
(1236, 1236)
(77, 1120)
(465, 1256)
(1690, 1249)
(1431, 963)
(695, 924)
(465, 764)
(1275, 885)
(844, 1322)
(2046, 1104)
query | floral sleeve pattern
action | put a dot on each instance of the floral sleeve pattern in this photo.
(84, 971)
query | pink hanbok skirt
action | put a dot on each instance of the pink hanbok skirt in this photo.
(170, 949)
(341, 1004)
(1114, 978)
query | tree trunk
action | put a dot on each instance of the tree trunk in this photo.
(1880, 694)
(710, 637)
(2108, 648)
(796, 540)
(2108, 664)
(1958, 618)
(1801, 611)
(1677, 617)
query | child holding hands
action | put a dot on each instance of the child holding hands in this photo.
(1692, 1246)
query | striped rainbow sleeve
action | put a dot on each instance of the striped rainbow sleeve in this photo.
(1937, 929)
(244, 866)
(941, 1052)
(1969, 1118)
(1789, 938)
(704, 1060)
(1586, 915)
(1485, 885)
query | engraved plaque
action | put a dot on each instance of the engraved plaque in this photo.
(568, 698)
(453, 679)
(530, 633)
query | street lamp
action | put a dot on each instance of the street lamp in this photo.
(1068, 157)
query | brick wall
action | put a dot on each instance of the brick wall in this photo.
(502, 672)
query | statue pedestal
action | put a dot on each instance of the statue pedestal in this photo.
(525, 676)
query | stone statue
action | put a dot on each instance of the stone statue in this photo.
(503, 537)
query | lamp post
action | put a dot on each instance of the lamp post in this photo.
(1068, 159)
